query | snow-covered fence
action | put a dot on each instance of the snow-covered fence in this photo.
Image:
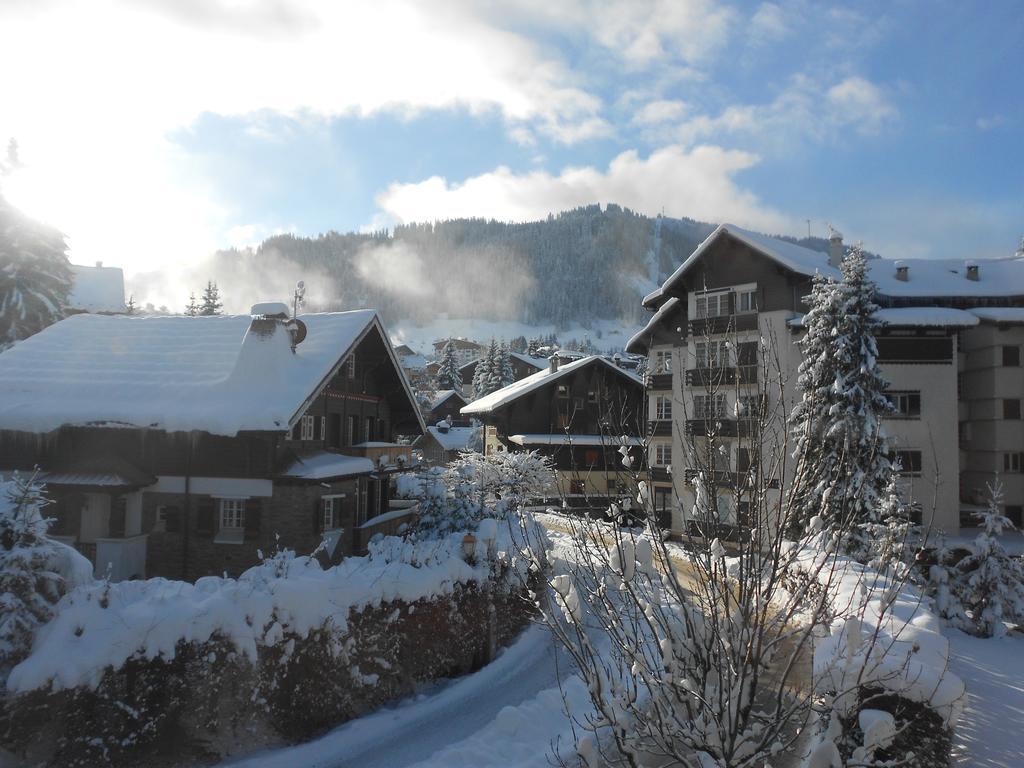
(285, 651)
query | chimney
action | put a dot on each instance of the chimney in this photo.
(835, 246)
(553, 363)
(902, 271)
(971, 270)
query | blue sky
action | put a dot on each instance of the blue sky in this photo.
(163, 129)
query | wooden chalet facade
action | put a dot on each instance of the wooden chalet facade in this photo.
(447, 406)
(576, 413)
(275, 441)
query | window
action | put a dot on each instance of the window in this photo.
(1013, 462)
(368, 429)
(330, 512)
(323, 427)
(577, 487)
(712, 305)
(910, 463)
(907, 405)
(232, 514)
(746, 353)
(663, 454)
(1011, 409)
(663, 361)
(713, 354)
(746, 301)
(308, 422)
(350, 366)
(591, 396)
(1011, 357)
(709, 406)
(350, 430)
(662, 408)
(591, 457)
(724, 509)
(577, 403)
(743, 462)
(563, 390)
(750, 407)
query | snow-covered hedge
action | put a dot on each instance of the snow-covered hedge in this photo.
(287, 649)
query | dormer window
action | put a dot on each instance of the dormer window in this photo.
(972, 270)
(350, 366)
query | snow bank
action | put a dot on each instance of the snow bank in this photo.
(101, 625)
(886, 635)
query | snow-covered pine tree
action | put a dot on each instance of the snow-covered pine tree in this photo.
(494, 378)
(842, 451)
(989, 581)
(481, 376)
(211, 304)
(531, 347)
(448, 376)
(35, 276)
(130, 307)
(192, 309)
(506, 372)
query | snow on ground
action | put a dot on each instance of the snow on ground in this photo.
(507, 714)
(613, 333)
(990, 733)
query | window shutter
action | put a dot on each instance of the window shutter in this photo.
(318, 516)
(206, 516)
(732, 303)
(253, 515)
(172, 518)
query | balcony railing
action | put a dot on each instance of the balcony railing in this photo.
(659, 381)
(705, 377)
(385, 454)
(659, 428)
(726, 478)
(721, 427)
(710, 326)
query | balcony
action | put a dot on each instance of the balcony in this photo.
(713, 377)
(659, 428)
(659, 381)
(726, 478)
(382, 454)
(711, 326)
(720, 427)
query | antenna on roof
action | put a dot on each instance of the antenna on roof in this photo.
(299, 298)
(808, 227)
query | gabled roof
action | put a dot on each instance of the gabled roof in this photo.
(96, 289)
(175, 373)
(512, 392)
(443, 396)
(455, 439)
(639, 341)
(538, 363)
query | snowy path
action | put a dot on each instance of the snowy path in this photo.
(991, 732)
(511, 704)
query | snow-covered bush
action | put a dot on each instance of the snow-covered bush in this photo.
(35, 571)
(475, 487)
(986, 587)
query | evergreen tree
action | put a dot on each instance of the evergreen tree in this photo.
(518, 344)
(211, 300)
(531, 348)
(841, 447)
(130, 307)
(192, 309)
(989, 582)
(493, 380)
(481, 376)
(35, 276)
(448, 376)
(506, 373)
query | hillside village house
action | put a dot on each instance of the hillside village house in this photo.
(577, 413)
(442, 443)
(96, 289)
(465, 350)
(180, 446)
(446, 406)
(950, 349)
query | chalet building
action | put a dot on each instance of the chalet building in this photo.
(950, 348)
(442, 443)
(97, 289)
(465, 350)
(447, 406)
(578, 414)
(180, 446)
(522, 366)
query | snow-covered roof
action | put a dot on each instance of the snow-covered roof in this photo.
(999, 314)
(512, 392)
(536, 362)
(924, 277)
(323, 465)
(563, 439)
(637, 341)
(444, 395)
(97, 289)
(925, 317)
(172, 372)
(455, 439)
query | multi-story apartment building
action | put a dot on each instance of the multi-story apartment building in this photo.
(950, 348)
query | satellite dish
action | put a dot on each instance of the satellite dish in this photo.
(298, 330)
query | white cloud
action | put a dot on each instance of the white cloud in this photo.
(660, 111)
(698, 182)
(990, 122)
(768, 24)
(861, 103)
